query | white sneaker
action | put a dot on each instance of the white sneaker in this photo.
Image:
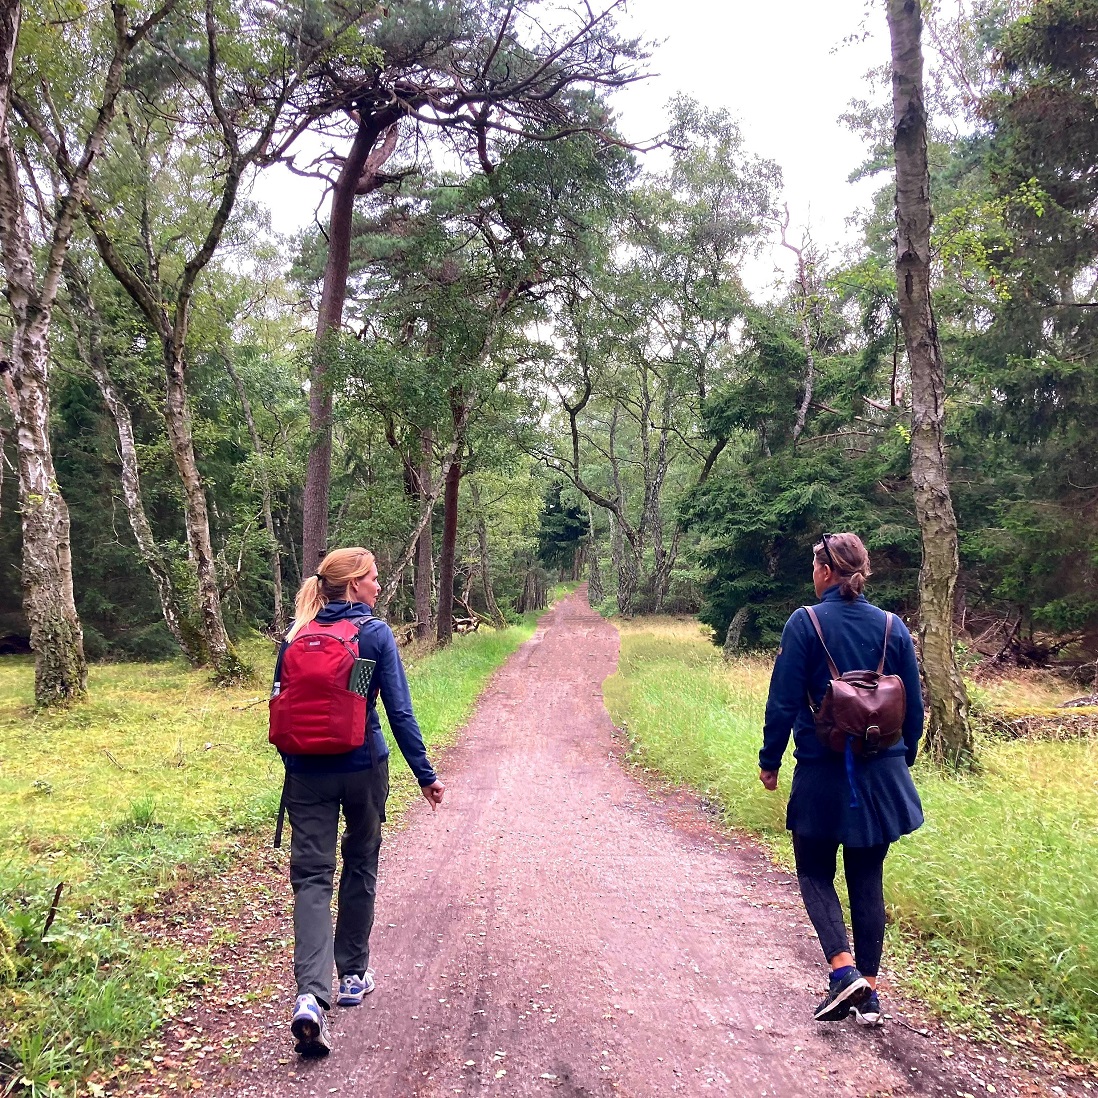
(310, 1027)
(354, 988)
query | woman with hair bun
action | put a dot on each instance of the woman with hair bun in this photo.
(861, 803)
(319, 786)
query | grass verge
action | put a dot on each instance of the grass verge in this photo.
(993, 904)
(149, 783)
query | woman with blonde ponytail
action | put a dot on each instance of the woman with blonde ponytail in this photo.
(862, 803)
(319, 786)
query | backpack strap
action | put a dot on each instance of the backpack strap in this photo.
(835, 672)
(372, 692)
(884, 651)
(281, 812)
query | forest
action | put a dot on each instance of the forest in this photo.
(520, 346)
(516, 347)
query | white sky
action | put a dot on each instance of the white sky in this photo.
(780, 67)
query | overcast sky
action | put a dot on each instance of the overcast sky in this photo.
(780, 67)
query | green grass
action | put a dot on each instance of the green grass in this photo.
(993, 903)
(145, 785)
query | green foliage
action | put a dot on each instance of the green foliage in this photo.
(992, 903)
(563, 526)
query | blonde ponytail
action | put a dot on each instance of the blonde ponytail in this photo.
(336, 571)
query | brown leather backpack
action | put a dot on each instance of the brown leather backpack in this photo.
(864, 708)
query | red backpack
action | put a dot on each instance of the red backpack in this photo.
(315, 713)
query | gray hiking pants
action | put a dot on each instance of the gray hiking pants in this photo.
(313, 803)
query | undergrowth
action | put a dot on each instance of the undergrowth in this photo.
(117, 799)
(993, 903)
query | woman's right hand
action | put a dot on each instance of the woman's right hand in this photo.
(433, 793)
(769, 778)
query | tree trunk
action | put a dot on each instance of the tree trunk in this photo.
(446, 558)
(358, 175)
(806, 332)
(733, 637)
(190, 645)
(498, 620)
(278, 623)
(949, 736)
(595, 591)
(663, 557)
(87, 325)
(425, 552)
(60, 668)
(177, 413)
(427, 508)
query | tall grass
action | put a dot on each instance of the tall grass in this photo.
(993, 903)
(144, 785)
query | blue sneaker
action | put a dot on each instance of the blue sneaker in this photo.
(842, 994)
(310, 1027)
(353, 988)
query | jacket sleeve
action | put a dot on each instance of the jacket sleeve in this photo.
(913, 689)
(390, 680)
(788, 684)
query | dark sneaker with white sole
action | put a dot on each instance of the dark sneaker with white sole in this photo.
(310, 1027)
(842, 994)
(868, 1011)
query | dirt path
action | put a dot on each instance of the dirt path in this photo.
(558, 928)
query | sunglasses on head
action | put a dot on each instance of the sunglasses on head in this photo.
(827, 551)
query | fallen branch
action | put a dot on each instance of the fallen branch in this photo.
(52, 913)
(115, 761)
(251, 704)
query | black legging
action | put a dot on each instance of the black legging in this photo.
(864, 867)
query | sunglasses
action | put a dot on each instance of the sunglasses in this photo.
(827, 552)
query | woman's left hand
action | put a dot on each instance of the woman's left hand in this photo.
(433, 793)
(769, 778)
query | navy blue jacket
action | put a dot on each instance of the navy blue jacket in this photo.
(874, 801)
(854, 630)
(375, 642)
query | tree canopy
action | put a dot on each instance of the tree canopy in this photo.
(547, 357)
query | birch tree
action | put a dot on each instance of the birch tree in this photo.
(79, 75)
(948, 733)
(232, 98)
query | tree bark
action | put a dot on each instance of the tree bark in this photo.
(60, 669)
(445, 627)
(733, 637)
(498, 620)
(57, 639)
(358, 175)
(425, 552)
(196, 517)
(86, 326)
(806, 332)
(949, 736)
(190, 645)
(278, 622)
(595, 591)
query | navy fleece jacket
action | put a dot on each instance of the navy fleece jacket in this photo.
(854, 630)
